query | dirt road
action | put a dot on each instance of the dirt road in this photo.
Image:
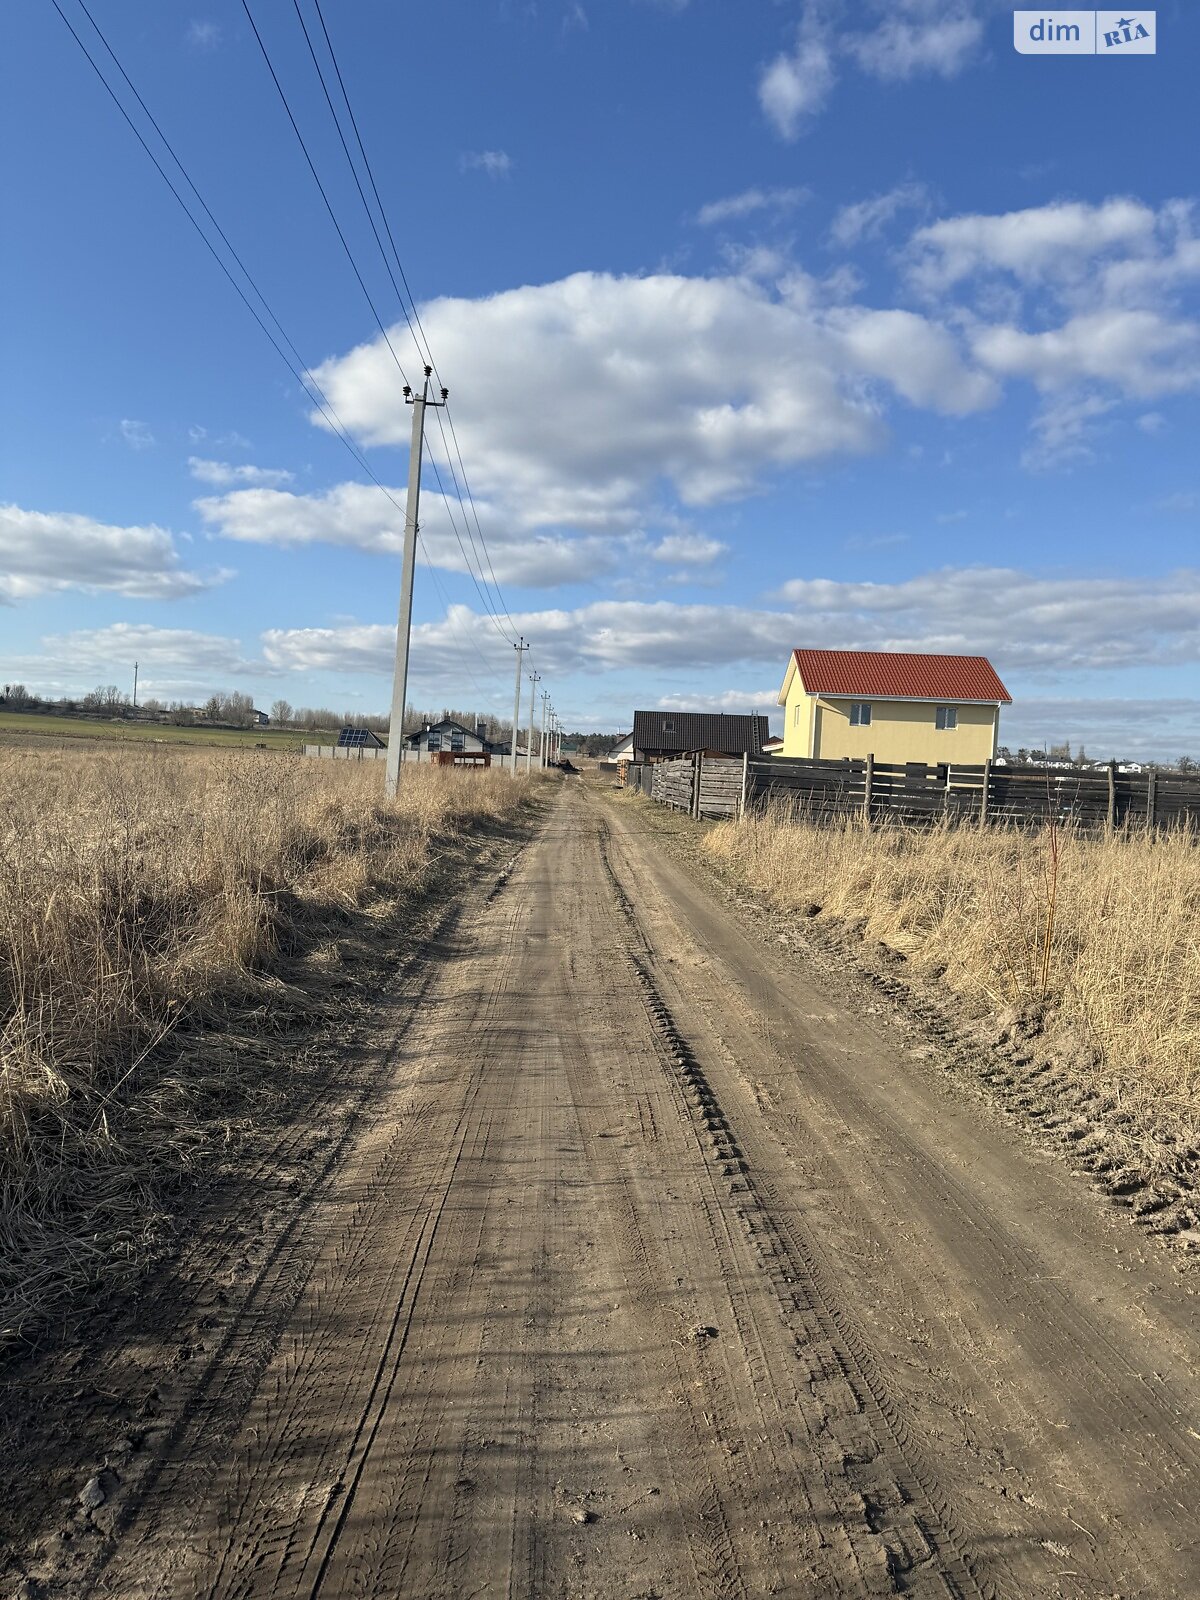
(656, 1272)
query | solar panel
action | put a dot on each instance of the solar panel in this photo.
(352, 738)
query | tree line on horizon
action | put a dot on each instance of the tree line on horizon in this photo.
(234, 709)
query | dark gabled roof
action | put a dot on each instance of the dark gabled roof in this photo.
(447, 722)
(699, 730)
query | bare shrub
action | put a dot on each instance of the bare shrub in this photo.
(1102, 931)
(148, 893)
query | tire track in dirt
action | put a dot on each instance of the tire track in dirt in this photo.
(597, 1302)
(896, 1517)
(1032, 1351)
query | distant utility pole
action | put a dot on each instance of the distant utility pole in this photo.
(135, 670)
(534, 679)
(404, 624)
(542, 740)
(520, 647)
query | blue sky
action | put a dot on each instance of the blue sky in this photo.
(764, 324)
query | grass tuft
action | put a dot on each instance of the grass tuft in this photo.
(145, 897)
(1098, 935)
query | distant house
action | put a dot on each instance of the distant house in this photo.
(259, 718)
(663, 735)
(895, 706)
(773, 746)
(622, 750)
(447, 737)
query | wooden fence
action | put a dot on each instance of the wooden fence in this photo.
(875, 790)
(703, 786)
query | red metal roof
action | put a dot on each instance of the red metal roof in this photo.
(895, 675)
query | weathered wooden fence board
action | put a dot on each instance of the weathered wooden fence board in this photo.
(1014, 796)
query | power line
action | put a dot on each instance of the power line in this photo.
(266, 55)
(303, 377)
(317, 179)
(488, 606)
(426, 353)
(300, 372)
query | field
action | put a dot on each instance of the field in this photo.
(1093, 937)
(148, 897)
(35, 730)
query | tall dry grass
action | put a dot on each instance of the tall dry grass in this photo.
(144, 897)
(1105, 940)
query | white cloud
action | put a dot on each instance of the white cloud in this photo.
(222, 475)
(1182, 501)
(351, 648)
(866, 219)
(760, 262)
(223, 441)
(136, 434)
(915, 38)
(797, 84)
(1124, 728)
(171, 661)
(1041, 625)
(1047, 625)
(359, 516)
(703, 385)
(495, 163)
(203, 35)
(736, 702)
(921, 361)
(1140, 353)
(1113, 273)
(42, 552)
(688, 549)
(938, 39)
(1056, 241)
(354, 514)
(1063, 429)
(735, 206)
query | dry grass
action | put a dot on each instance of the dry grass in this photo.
(1106, 941)
(143, 898)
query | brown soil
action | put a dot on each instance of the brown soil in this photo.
(645, 1262)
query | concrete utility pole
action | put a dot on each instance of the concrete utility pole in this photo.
(520, 647)
(135, 672)
(542, 740)
(534, 679)
(408, 568)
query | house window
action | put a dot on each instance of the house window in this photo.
(434, 742)
(860, 713)
(947, 716)
(668, 727)
(457, 738)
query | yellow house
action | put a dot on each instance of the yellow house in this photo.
(890, 705)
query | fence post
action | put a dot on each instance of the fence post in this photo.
(697, 771)
(868, 785)
(745, 780)
(987, 787)
(1151, 796)
(1112, 794)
